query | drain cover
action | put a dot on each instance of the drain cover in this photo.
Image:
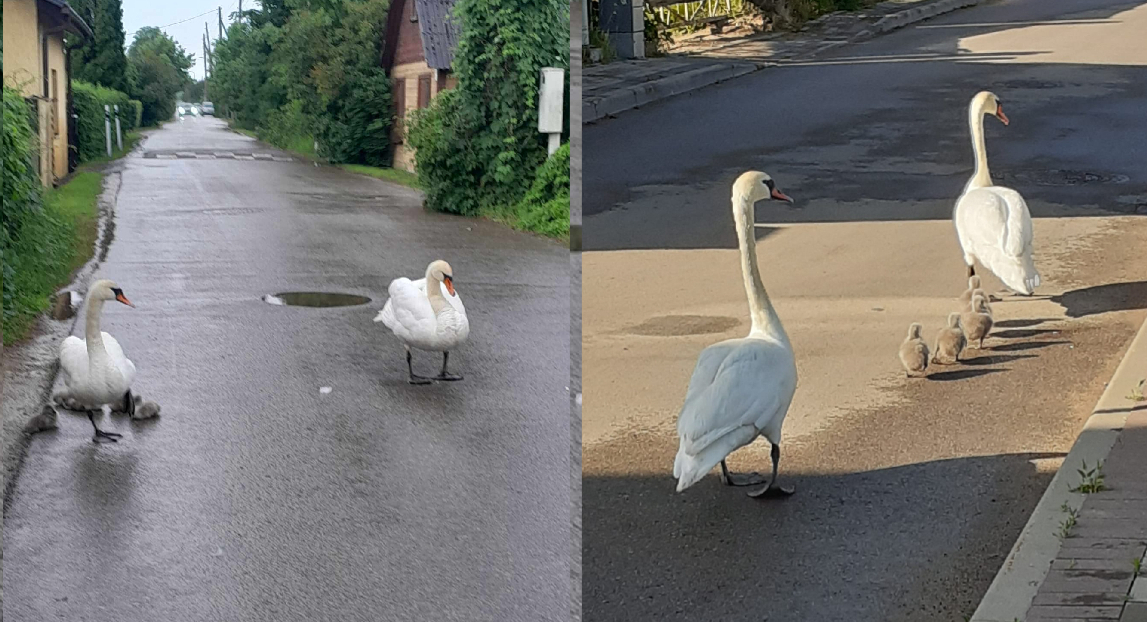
(315, 299)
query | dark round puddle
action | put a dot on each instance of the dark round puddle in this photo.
(315, 299)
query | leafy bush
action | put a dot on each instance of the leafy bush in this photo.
(136, 113)
(546, 207)
(482, 144)
(22, 189)
(88, 101)
(289, 128)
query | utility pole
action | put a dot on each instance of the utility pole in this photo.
(220, 22)
(240, 11)
(205, 97)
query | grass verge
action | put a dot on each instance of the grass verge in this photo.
(394, 175)
(130, 140)
(50, 249)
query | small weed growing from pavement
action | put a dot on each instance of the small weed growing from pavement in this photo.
(1137, 565)
(1137, 392)
(1069, 522)
(1091, 480)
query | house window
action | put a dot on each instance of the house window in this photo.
(399, 108)
(44, 56)
(441, 81)
(423, 91)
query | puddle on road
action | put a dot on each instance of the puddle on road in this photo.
(315, 299)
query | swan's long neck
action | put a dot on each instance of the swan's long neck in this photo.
(434, 293)
(764, 317)
(981, 178)
(93, 336)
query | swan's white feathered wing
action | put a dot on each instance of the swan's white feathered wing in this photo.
(408, 314)
(741, 388)
(87, 386)
(994, 224)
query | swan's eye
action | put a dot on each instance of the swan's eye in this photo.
(770, 184)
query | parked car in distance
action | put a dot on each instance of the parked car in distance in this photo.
(207, 108)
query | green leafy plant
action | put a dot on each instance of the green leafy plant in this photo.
(1068, 523)
(1136, 394)
(1091, 480)
(88, 102)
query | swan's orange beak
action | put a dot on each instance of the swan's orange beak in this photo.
(780, 196)
(1000, 114)
(449, 281)
(123, 299)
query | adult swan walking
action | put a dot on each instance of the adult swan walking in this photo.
(741, 388)
(993, 222)
(96, 372)
(427, 314)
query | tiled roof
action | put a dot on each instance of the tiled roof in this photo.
(439, 31)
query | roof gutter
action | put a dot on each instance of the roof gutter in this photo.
(73, 23)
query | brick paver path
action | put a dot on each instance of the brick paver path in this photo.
(1094, 575)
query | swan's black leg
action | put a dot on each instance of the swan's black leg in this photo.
(444, 375)
(773, 490)
(410, 368)
(729, 479)
(111, 436)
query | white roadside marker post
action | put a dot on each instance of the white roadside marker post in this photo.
(108, 129)
(118, 133)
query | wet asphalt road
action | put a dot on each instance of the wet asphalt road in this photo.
(909, 494)
(256, 497)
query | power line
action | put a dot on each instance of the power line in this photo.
(128, 36)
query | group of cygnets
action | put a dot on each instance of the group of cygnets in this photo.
(965, 329)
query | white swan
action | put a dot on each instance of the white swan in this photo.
(741, 388)
(431, 318)
(992, 222)
(96, 372)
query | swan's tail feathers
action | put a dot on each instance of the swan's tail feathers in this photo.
(688, 470)
(386, 316)
(1019, 274)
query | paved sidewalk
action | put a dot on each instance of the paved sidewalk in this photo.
(622, 85)
(1093, 566)
(1094, 575)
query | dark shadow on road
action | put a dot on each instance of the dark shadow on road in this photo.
(1129, 296)
(991, 359)
(838, 549)
(962, 374)
(1108, 411)
(1030, 345)
(1022, 323)
(1023, 333)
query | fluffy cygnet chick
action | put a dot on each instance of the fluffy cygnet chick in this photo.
(950, 342)
(914, 352)
(977, 323)
(46, 420)
(985, 296)
(973, 285)
(146, 410)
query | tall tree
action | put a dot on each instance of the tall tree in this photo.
(158, 70)
(101, 60)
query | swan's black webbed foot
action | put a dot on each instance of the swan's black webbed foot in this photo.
(445, 375)
(110, 436)
(729, 479)
(773, 491)
(414, 379)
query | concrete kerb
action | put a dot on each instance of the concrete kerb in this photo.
(1027, 565)
(633, 97)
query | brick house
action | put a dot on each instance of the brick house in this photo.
(421, 36)
(36, 63)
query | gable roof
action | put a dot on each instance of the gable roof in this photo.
(437, 28)
(70, 20)
(440, 31)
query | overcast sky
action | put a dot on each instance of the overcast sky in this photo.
(189, 33)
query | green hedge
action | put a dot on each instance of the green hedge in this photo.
(88, 101)
(23, 195)
(546, 207)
